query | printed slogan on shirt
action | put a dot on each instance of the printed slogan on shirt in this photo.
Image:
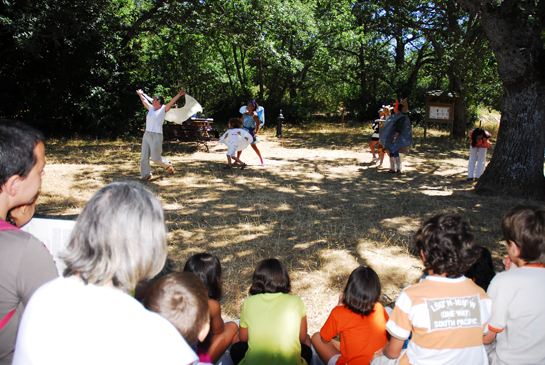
(452, 313)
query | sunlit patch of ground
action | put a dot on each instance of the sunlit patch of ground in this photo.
(319, 205)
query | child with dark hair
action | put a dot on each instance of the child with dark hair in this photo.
(182, 299)
(517, 322)
(446, 312)
(273, 324)
(477, 152)
(482, 271)
(208, 268)
(236, 139)
(359, 318)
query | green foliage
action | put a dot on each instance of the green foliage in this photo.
(73, 67)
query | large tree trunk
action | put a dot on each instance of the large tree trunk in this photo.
(514, 31)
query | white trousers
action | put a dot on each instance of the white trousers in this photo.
(476, 156)
(152, 145)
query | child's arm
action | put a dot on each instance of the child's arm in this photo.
(489, 337)
(243, 334)
(392, 350)
(216, 322)
(303, 335)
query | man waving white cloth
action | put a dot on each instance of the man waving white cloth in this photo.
(152, 143)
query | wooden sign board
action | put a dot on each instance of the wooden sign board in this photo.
(440, 112)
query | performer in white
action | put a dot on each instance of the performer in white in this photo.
(152, 143)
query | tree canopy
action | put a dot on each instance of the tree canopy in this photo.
(73, 67)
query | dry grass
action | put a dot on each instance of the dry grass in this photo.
(319, 205)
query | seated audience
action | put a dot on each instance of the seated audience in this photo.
(88, 316)
(446, 312)
(25, 263)
(273, 323)
(208, 268)
(181, 298)
(482, 271)
(517, 322)
(359, 318)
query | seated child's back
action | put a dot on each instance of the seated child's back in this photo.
(518, 295)
(446, 312)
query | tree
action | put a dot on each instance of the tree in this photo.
(515, 30)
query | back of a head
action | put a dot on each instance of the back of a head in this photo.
(525, 227)
(482, 271)
(477, 133)
(270, 276)
(120, 236)
(448, 245)
(182, 299)
(17, 143)
(235, 122)
(362, 291)
(208, 268)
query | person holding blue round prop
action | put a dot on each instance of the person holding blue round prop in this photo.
(397, 134)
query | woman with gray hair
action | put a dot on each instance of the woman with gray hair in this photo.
(88, 316)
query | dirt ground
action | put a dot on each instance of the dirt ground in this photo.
(319, 205)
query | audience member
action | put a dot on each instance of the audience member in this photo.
(181, 298)
(88, 316)
(25, 263)
(482, 271)
(517, 322)
(273, 324)
(446, 312)
(208, 268)
(360, 320)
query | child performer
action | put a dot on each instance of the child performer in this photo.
(359, 318)
(374, 136)
(518, 319)
(182, 299)
(208, 268)
(236, 139)
(251, 122)
(381, 151)
(477, 152)
(446, 312)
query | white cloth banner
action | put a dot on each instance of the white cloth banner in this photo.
(180, 115)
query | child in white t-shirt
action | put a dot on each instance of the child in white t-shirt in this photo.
(517, 323)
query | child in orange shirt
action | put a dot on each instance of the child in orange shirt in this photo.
(359, 318)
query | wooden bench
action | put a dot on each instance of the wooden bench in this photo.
(183, 133)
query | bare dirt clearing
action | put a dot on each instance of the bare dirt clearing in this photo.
(318, 205)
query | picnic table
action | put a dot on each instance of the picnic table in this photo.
(202, 125)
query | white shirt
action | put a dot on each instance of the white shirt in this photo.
(67, 322)
(155, 119)
(517, 311)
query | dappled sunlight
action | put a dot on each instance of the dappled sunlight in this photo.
(436, 190)
(319, 205)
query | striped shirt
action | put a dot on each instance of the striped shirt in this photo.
(447, 318)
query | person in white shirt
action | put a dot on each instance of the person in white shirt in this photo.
(152, 143)
(89, 317)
